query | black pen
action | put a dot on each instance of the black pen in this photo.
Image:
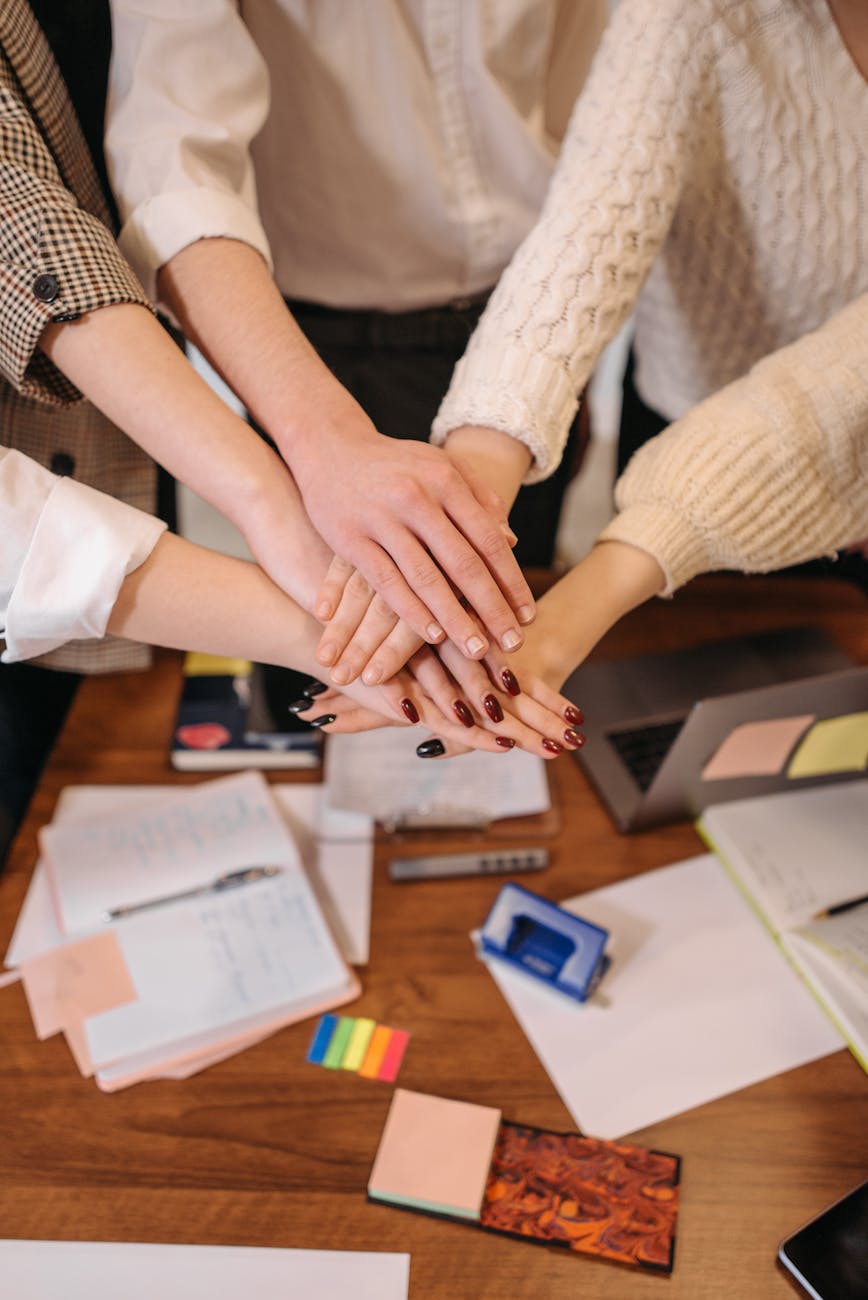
(838, 908)
(230, 881)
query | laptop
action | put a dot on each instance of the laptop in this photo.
(654, 722)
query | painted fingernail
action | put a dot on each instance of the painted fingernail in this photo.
(462, 712)
(574, 738)
(525, 614)
(341, 674)
(372, 675)
(434, 632)
(431, 749)
(510, 682)
(314, 688)
(492, 708)
(330, 717)
(327, 653)
(552, 746)
(410, 711)
(299, 706)
(475, 645)
(575, 716)
(505, 742)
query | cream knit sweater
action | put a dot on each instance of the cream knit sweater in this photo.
(715, 170)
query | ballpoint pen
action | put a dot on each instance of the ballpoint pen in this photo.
(229, 881)
(837, 908)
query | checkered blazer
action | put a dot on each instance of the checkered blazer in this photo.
(58, 260)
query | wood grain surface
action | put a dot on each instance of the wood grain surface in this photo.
(266, 1150)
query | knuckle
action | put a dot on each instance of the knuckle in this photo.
(357, 585)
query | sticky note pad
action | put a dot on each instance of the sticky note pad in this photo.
(833, 745)
(435, 1154)
(756, 748)
(393, 1056)
(68, 984)
(321, 1039)
(357, 1043)
(338, 1043)
(380, 1039)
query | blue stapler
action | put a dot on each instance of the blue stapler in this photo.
(542, 939)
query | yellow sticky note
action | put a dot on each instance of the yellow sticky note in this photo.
(199, 664)
(833, 745)
(360, 1036)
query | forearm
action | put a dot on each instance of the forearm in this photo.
(126, 364)
(190, 598)
(226, 302)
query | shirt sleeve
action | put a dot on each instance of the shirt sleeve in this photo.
(770, 471)
(188, 92)
(57, 261)
(576, 277)
(64, 552)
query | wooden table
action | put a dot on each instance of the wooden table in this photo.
(267, 1150)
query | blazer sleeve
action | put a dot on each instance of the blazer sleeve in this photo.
(57, 261)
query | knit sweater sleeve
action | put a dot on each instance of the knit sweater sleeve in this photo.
(770, 471)
(575, 278)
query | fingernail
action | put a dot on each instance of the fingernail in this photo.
(410, 711)
(492, 708)
(314, 688)
(475, 645)
(525, 614)
(372, 675)
(510, 682)
(575, 716)
(505, 742)
(324, 611)
(431, 749)
(327, 654)
(462, 712)
(299, 706)
(341, 675)
(330, 717)
(552, 746)
(511, 640)
(434, 632)
(573, 738)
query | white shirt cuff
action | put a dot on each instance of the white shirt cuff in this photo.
(83, 546)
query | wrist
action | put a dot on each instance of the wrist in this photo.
(502, 461)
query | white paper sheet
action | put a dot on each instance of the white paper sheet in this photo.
(92, 1270)
(378, 772)
(698, 1003)
(340, 866)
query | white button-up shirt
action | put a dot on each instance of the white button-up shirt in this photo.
(64, 552)
(405, 154)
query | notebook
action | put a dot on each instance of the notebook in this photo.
(667, 735)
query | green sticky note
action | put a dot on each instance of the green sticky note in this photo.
(358, 1043)
(336, 1048)
(833, 745)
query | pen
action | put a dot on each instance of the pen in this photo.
(837, 908)
(230, 881)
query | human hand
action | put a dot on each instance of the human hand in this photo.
(415, 526)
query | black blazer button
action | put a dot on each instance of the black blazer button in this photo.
(62, 463)
(46, 288)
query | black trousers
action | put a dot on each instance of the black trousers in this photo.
(639, 423)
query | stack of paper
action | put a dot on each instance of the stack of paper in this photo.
(174, 985)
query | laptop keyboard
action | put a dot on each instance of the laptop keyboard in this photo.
(643, 749)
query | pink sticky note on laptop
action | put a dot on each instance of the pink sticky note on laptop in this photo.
(66, 985)
(756, 748)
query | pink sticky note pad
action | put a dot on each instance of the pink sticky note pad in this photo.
(435, 1154)
(756, 748)
(66, 985)
(393, 1056)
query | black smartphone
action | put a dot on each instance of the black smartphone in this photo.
(829, 1255)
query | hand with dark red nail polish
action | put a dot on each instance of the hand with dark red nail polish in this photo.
(492, 708)
(574, 738)
(552, 746)
(510, 682)
(409, 710)
(462, 712)
(573, 715)
(505, 742)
